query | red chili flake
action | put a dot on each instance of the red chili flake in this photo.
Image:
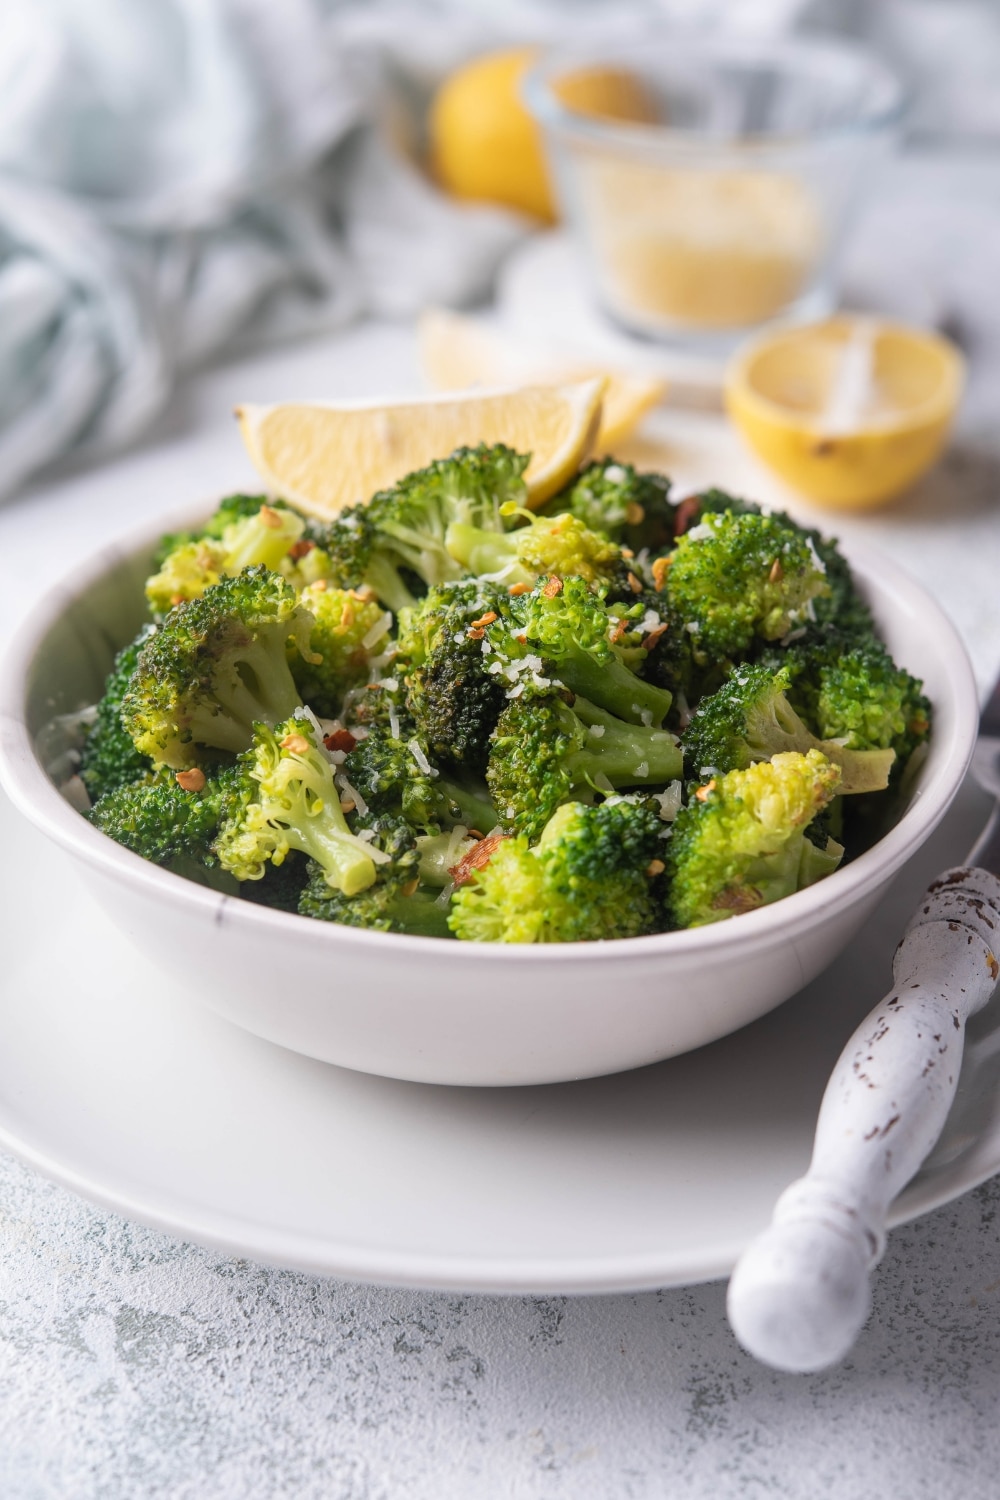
(552, 588)
(661, 567)
(340, 739)
(650, 640)
(634, 584)
(476, 858)
(685, 513)
(300, 549)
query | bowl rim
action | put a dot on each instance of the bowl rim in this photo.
(940, 405)
(549, 111)
(36, 796)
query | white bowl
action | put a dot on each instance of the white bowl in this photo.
(447, 1012)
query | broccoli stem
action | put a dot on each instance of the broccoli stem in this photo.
(256, 685)
(485, 552)
(613, 686)
(620, 752)
(385, 579)
(340, 855)
(476, 808)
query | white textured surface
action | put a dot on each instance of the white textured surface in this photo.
(135, 1366)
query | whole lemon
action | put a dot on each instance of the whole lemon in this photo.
(484, 144)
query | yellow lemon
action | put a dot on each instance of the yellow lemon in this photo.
(458, 351)
(850, 411)
(484, 144)
(324, 455)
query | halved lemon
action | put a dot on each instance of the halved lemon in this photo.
(458, 351)
(850, 411)
(323, 455)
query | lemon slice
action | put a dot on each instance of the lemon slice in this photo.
(458, 351)
(850, 411)
(323, 455)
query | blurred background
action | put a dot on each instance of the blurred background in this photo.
(185, 180)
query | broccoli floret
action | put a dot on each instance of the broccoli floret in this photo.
(290, 802)
(547, 545)
(347, 628)
(396, 902)
(396, 543)
(280, 887)
(589, 876)
(393, 775)
(627, 507)
(232, 508)
(750, 719)
(237, 537)
(109, 758)
(168, 820)
(734, 578)
(453, 699)
(214, 667)
(854, 692)
(842, 605)
(545, 753)
(565, 631)
(740, 841)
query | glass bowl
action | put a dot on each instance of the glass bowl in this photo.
(723, 203)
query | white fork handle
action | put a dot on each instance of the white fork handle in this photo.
(800, 1293)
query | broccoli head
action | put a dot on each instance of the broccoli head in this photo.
(453, 699)
(590, 876)
(544, 753)
(347, 627)
(740, 842)
(396, 543)
(392, 776)
(737, 578)
(237, 537)
(290, 801)
(559, 545)
(627, 507)
(396, 902)
(853, 691)
(109, 758)
(750, 719)
(214, 667)
(563, 630)
(171, 818)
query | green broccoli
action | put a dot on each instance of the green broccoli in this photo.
(235, 538)
(563, 631)
(453, 699)
(590, 876)
(348, 628)
(396, 902)
(852, 691)
(172, 818)
(291, 801)
(750, 719)
(545, 752)
(214, 667)
(547, 545)
(110, 759)
(737, 578)
(627, 507)
(396, 543)
(392, 775)
(740, 842)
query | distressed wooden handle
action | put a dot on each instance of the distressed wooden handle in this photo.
(800, 1293)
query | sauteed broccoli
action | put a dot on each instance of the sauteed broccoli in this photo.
(443, 716)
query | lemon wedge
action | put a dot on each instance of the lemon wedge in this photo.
(323, 455)
(850, 411)
(458, 351)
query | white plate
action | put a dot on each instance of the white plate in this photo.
(134, 1096)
